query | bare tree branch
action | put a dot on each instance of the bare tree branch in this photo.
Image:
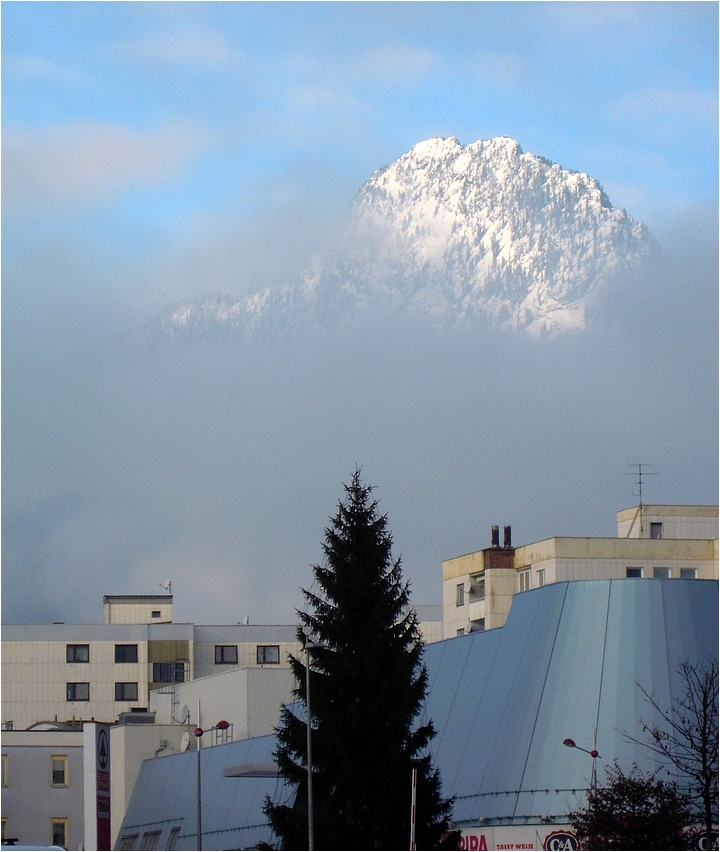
(686, 736)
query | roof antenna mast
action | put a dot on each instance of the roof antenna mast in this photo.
(639, 513)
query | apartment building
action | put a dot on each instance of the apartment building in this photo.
(660, 542)
(73, 672)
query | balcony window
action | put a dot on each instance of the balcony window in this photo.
(77, 691)
(126, 653)
(268, 655)
(58, 831)
(77, 653)
(226, 655)
(126, 692)
(460, 594)
(58, 770)
(172, 672)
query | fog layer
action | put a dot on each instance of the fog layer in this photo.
(218, 467)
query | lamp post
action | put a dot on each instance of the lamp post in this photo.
(198, 733)
(222, 725)
(309, 645)
(570, 743)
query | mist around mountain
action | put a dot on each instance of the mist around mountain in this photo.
(452, 235)
(218, 466)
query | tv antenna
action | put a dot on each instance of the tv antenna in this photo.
(639, 513)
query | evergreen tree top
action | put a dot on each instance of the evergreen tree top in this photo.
(368, 686)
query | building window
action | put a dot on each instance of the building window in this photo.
(4, 770)
(126, 653)
(541, 578)
(661, 573)
(477, 589)
(268, 654)
(58, 770)
(127, 841)
(173, 672)
(655, 530)
(524, 581)
(460, 594)
(58, 831)
(150, 840)
(155, 613)
(633, 572)
(77, 691)
(126, 692)
(460, 631)
(4, 826)
(172, 837)
(688, 574)
(226, 654)
(77, 653)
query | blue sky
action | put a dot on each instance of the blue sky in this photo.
(157, 151)
(148, 130)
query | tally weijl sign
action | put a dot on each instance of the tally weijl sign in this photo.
(518, 837)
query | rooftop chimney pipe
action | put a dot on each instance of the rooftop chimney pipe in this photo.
(506, 537)
(495, 536)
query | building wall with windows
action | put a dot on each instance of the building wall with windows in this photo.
(137, 609)
(42, 787)
(72, 672)
(225, 647)
(611, 558)
(653, 542)
(657, 522)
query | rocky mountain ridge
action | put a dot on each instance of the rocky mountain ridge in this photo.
(453, 234)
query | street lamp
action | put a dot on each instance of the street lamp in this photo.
(198, 733)
(309, 645)
(592, 752)
(222, 725)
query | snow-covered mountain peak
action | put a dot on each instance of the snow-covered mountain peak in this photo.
(456, 234)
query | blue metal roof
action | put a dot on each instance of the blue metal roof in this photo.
(567, 661)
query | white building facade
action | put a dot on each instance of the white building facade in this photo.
(660, 542)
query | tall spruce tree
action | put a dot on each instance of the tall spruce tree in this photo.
(367, 688)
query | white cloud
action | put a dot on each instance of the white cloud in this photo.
(499, 69)
(197, 47)
(88, 161)
(675, 106)
(38, 69)
(397, 65)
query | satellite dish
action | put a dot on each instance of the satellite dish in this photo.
(185, 741)
(185, 715)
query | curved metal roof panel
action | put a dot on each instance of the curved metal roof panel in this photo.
(567, 661)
